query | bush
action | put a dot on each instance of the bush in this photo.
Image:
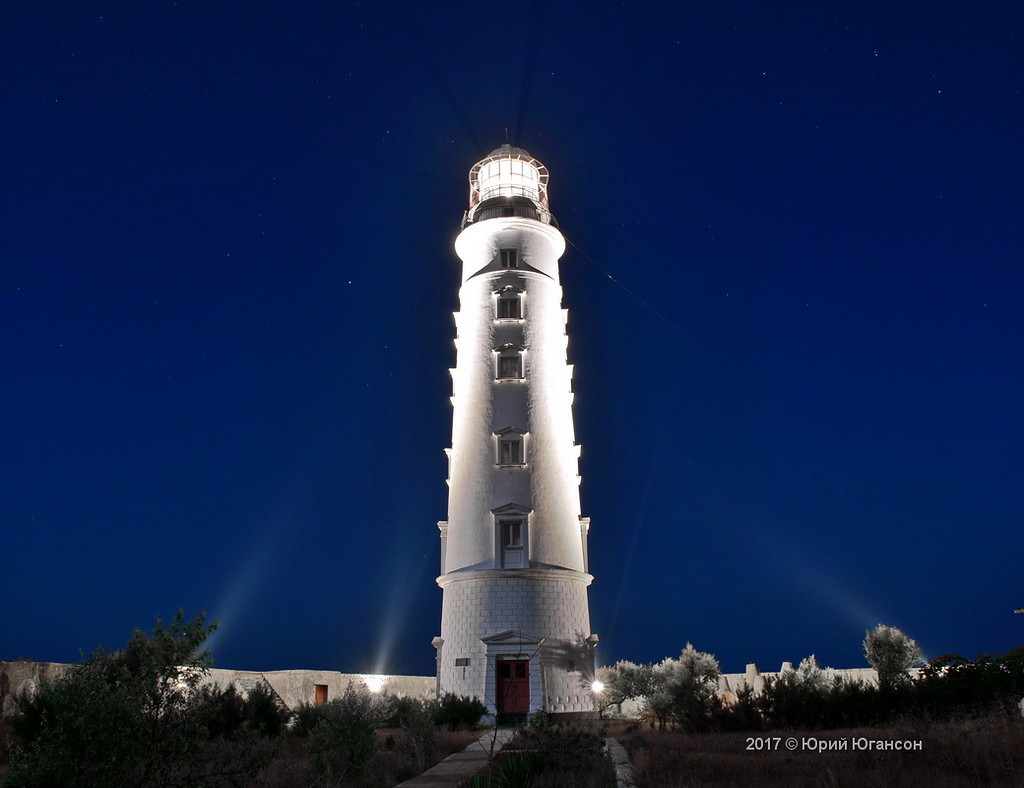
(134, 717)
(950, 684)
(402, 710)
(341, 738)
(416, 719)
(264, 713)
(553, 754)
(459, 712)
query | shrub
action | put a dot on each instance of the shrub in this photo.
(341, 738)
(133, 717)
(560, 755)
(416, 720)
(264, 713)
(402, 710)
(951, 684)
(459, 712)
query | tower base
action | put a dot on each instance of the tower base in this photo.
(503, 640)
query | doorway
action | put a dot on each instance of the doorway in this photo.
(513, 686)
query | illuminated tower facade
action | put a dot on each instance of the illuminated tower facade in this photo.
(515, 620)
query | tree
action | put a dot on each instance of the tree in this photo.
(801, 697)
(683, 690)
(692, 684)
(136, 717)
(622, 681)
(813, 677)
(341, 741)
(891, 653)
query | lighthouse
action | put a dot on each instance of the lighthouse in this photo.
(515, 619)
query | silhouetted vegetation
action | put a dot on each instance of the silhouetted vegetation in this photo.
(459, 712)
(683, 693)
(139, 717)
(548, 754)
(959, 753)
(891, 653)
(146, 716)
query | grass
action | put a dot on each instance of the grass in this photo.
(963, 753)
(551, 756)
(394, 760)
(391, 763)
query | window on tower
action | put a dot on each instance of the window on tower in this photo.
(510, 451)
(509, 258)
(508, 307)
(510, 303)
(511, 446)
(511, 533)
(510, 367)
(512, 538)
(510, 363)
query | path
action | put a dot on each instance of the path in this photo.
(461, 766)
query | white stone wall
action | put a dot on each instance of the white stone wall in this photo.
(729, 684)
(19, 674)
(293, 687)
(549, 616)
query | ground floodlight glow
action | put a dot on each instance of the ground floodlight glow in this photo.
(374, 683)
(597, 686)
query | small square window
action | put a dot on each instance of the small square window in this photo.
(510, 451)
(508, 307)
(511, 533)
(510, 366)
(509, 258)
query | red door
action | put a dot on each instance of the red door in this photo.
(513, 686)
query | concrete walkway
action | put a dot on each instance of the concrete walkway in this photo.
(461, 766)
(619, 756)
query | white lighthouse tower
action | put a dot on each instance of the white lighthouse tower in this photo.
(515, 622)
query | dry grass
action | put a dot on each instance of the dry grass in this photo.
(559, 756)
(391, 762)
(965, 753)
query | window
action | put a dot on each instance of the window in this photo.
(509, 367)
(321, 694)
(510, 451)
(511, 536)
(510, 302)
(512, 540)
(511, 533)
(511, 446)
(510, 362)
(509, 258)
(508, 307)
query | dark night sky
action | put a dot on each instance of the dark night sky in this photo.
(795, 293)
